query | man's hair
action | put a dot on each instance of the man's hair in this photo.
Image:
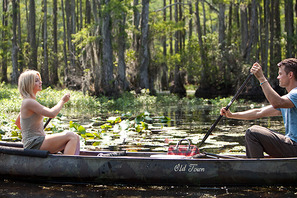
(26, 83)
(290, 66)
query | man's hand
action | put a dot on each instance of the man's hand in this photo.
(258, 72)
(226, 113)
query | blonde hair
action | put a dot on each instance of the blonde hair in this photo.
(26, 83)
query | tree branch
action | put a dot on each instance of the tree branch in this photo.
(178, 3)
(211, 6)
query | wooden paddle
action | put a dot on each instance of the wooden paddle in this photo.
(47, 122)
(227, 107)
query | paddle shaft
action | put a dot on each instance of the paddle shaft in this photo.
(47, 122)
(227, 107)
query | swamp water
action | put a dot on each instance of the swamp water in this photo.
(191, 122)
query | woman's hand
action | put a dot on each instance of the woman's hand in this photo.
(66, 98)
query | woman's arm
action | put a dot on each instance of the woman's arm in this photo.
(18, 121)
(31, 105)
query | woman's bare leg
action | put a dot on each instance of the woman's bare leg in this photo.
(77, 151)
(57, 142)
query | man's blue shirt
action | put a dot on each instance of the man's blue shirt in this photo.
(290, 116)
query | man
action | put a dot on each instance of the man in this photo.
(260, 139)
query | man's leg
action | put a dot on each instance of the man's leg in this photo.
(260, 139)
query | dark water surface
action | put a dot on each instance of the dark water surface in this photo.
(187, 122)
(9, 188)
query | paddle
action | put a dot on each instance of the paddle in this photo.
(227, 107)
(47, 122)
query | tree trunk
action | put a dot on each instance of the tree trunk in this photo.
(295, 12)
(170, 39)
(244, 30)
(190, 77)
(278, 51)
(204, 19)
(44, 70)
(80, 15)
(73, 27)
(144, 47)
(289, 27)
(275, 48)
(176, 50)
(229, 36)
(55, 78)
(123, 83)
(66, 70)
(136, 20)
(32, 36)
(265, 38)
(181, 33)
(176, 34)
(70, 22)
(203, 81)
(271, 43)
(164, 77)
(190, 21)
(88, 12)
(178, 86)
(96, 49)
(133, 69)
(27, 26)
(20, 44)
(4, 41)
(107, 79)
(14, 57)
(222, 41)
(86, 59)
(252, 44)
(237, 16)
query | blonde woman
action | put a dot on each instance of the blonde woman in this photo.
(30, 119)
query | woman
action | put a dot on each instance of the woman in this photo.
(30, 119)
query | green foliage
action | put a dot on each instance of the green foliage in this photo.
(83, 132)
(130, 56)
(8, 130)
(80, 129)
(114, 120)
(164, 28)
(105, 127)
(216, 66)
(10, 100)
(83, 38)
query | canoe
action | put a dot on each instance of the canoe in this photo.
(143, 168)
